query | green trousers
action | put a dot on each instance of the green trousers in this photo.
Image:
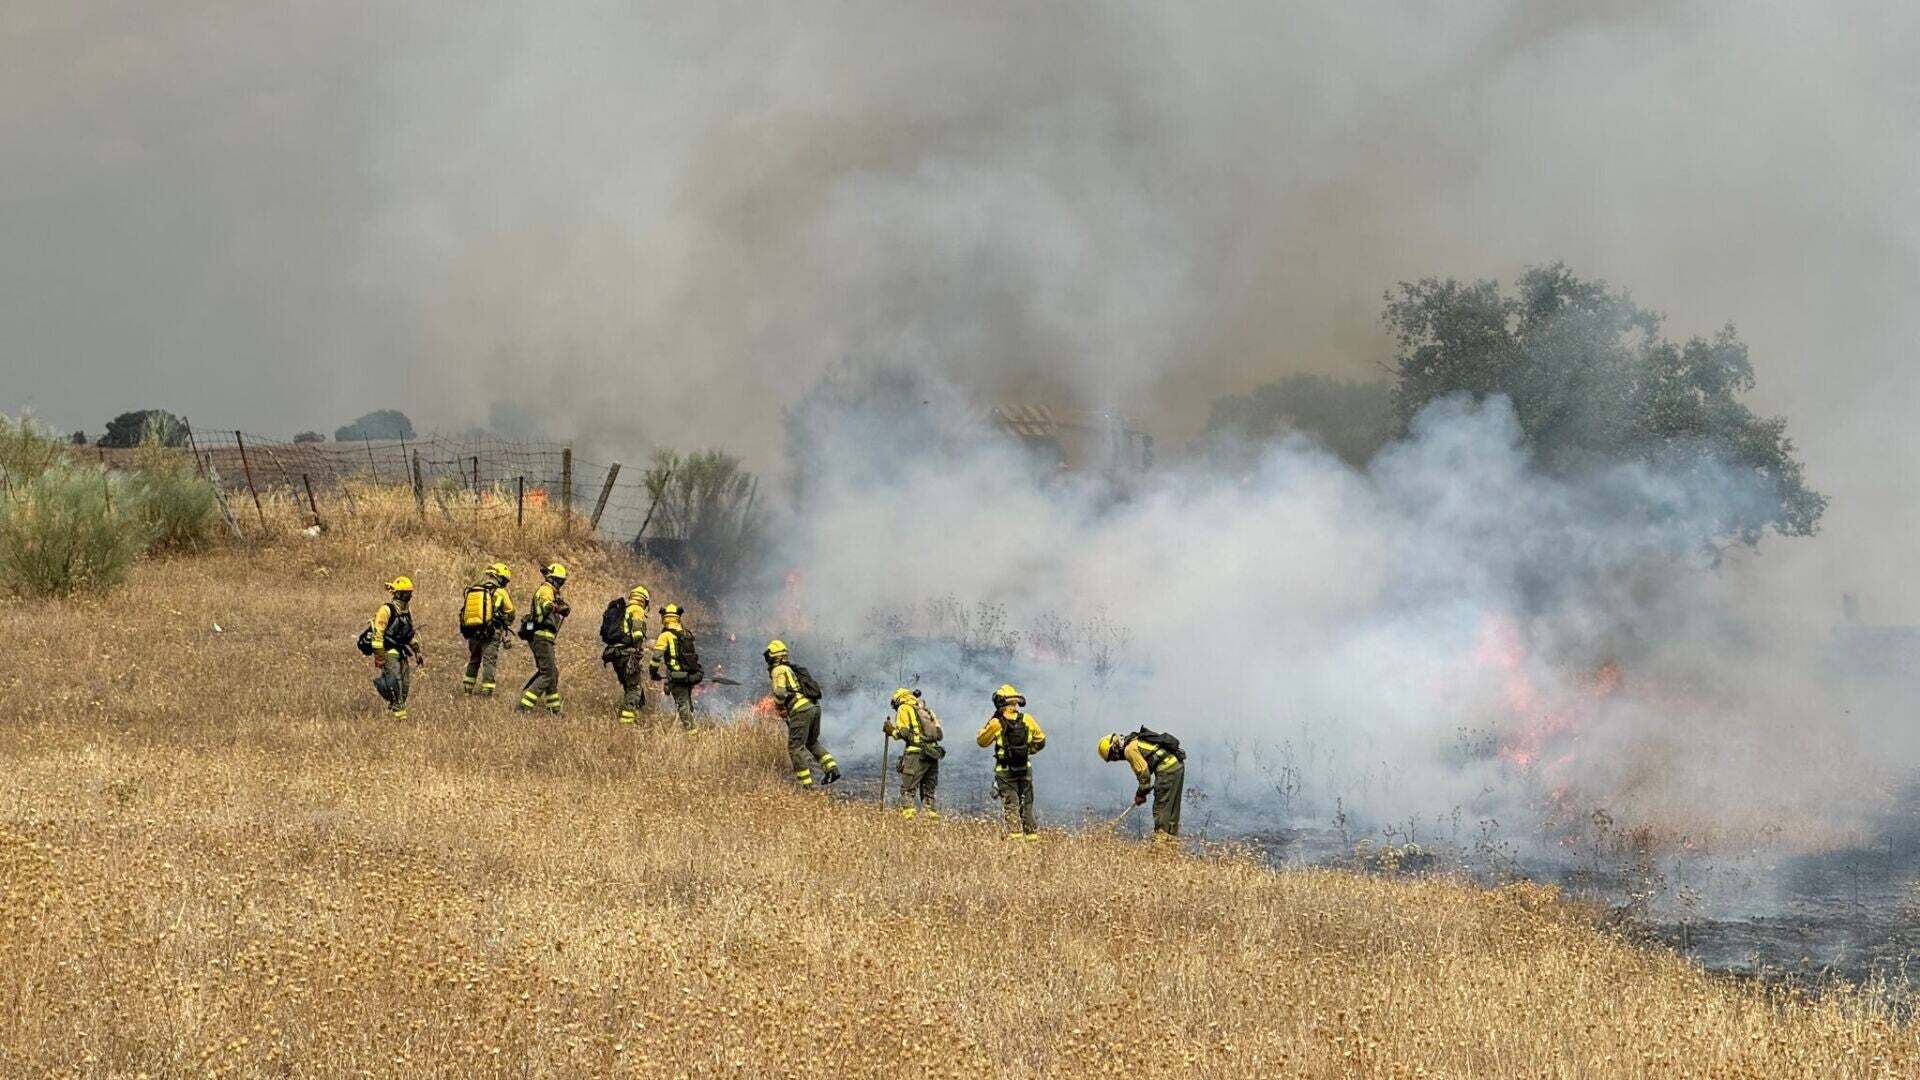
(483, 662)
(1168, 786)
(544, 686)
(1016, 803)
(398, 667)
(682, 695)
(630, 666)
(919, 776)
(803, 744)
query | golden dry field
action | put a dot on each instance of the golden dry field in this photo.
(219, 857)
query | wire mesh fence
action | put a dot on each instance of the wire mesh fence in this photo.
(460, 478)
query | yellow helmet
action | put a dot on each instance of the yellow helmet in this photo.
(403, 583)
(556, 571)
(902, 696)
(776, 647)
(1007, 695)
(640, 596)
(499, 571)
(671, 611)
(1108, 744)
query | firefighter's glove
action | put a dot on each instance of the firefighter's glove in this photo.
(887, 726)
(1139, 797)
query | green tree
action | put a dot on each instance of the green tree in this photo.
(382, 424)
(1351, 419)
(309, 436)
(130, 429)
(1593, 381)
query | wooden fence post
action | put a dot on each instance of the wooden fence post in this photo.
(606, 489)
(476, 475)
(193, 447)
(419, 487)
(311, 504)
(519, 501)
(220, 493)
(566, 491)
(247, 467)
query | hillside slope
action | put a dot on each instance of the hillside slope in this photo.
(217, 856)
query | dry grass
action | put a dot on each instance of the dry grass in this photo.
(218, 857)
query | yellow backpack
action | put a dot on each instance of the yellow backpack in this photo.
(476, 614)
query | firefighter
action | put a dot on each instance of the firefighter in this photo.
(547, 613)
(485, 615)
(914, 723)
(676, 659)
(390, 637)
(629, 655)
(1015, 737)
(1160, 766)
(802, 712)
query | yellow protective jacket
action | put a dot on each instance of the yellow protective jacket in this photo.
(634, 626)
(786, 690)
(549, 611)
(666, 650)
(1147, 759)
(392, 628)
(906, 728)
(990, 735)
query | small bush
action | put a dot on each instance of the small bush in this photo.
(309, 436)
(72, 528)
(27, 449)
(176, 503)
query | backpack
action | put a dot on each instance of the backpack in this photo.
(1014, 737)
(690, 659)
(809, 686)
(525, 633)
(1162, 740)
(613, 622)
(476, 613)
(399, 633)
(929, 723)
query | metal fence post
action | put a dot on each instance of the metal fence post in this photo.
(566, 491)
(519, 501)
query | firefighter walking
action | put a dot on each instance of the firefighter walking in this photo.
(389, 639)
(1015, 737)
(676, 661)
(545, 615)
(627, 653)
(913, 722)
(486, 613)
(1160, 767)
(796, 698)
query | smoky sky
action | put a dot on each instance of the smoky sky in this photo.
(658, 224)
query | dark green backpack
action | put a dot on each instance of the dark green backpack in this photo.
(1015, 739)
(1162, 740)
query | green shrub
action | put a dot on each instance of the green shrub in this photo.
(176, 502)
(72, 528)
(27, 449)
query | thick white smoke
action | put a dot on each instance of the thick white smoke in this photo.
(1449, 632)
